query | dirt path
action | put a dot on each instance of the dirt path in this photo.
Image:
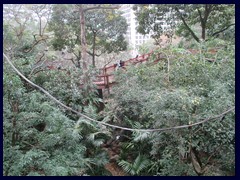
(114, 169)
(113, 153)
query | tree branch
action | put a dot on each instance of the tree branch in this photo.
(30, 49)
(188, 28)
(209, 10)
(72, 59)
(47, 19)
(108, 63)
(79, 57)
(210, 157)
(40, 70)
(200, 15)
(224, 29)
(100, 7)
(98, 54)
(90, 53)
(205, 168)
(37, 66)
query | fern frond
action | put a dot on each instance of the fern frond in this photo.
(140, 163)
(127, 167)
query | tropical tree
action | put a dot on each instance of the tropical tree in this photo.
(106, 33)
(104, 30)
(24, 34)
(198, 21)
(16, 29)
(40, 138)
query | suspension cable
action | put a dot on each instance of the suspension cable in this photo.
(107, 124)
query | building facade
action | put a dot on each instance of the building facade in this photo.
(133, 37)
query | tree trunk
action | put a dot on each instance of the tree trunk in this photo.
(204, 31)
(208, 9)
(78, 59)
(83, 38)
(85, 66)
(40, 26)
(186, 25)
(14, 123)
(94, 44)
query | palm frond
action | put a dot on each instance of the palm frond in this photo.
(140, 163)
(127, 167)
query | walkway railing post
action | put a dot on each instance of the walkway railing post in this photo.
(108, 88)
(106, 80)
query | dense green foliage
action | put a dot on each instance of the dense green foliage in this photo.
(105, 33)
(41, 138)
(197, 21)
(193, 89)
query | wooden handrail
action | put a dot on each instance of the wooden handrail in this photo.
(107, 71)
(100, 76)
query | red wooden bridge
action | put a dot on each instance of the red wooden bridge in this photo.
(106, 78)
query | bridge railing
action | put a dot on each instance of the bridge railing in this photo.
(106, 74)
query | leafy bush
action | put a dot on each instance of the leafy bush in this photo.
(42, 139)
(182, 89)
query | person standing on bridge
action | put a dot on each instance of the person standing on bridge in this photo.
(120, 64)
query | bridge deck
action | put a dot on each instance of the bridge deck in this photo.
(106, 77)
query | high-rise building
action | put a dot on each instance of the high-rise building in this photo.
(133, 37)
